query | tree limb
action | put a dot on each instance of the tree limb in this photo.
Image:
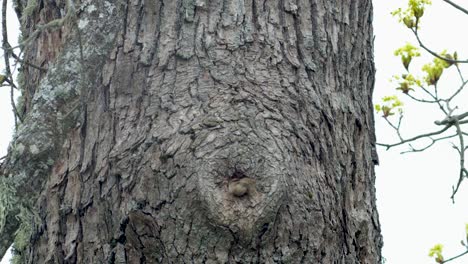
(452, 119)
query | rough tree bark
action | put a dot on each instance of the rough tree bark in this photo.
(150, 111)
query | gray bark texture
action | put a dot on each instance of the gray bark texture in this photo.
(198, 131)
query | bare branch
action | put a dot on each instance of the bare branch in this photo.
(6, 57)
(457, 256)
(456, 6)
(388, 146)
(430, 145)
(18, 59)
(433, 53)
(461, 152)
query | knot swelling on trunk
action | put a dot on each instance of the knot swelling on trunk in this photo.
(243, 190)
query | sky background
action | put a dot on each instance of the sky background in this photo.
(413, 190)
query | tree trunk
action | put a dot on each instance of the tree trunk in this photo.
(197, 131)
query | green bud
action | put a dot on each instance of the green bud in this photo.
(406, 60)
(418, 12)
(409, 22)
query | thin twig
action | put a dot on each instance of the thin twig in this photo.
(397, 127)
(457, 92)
(438, 100)
(459, 73)
(427, 91)
(420, 100)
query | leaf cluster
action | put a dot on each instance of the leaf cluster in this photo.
(413, 12)
(435, 69)
(389, 105)
(436, 252)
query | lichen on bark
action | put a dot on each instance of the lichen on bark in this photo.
(56, 107)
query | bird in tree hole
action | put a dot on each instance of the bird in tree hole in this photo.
(240, 185)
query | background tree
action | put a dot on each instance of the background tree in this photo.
(426, 90)
(138, 118)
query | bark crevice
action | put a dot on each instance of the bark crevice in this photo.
(213, 131)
